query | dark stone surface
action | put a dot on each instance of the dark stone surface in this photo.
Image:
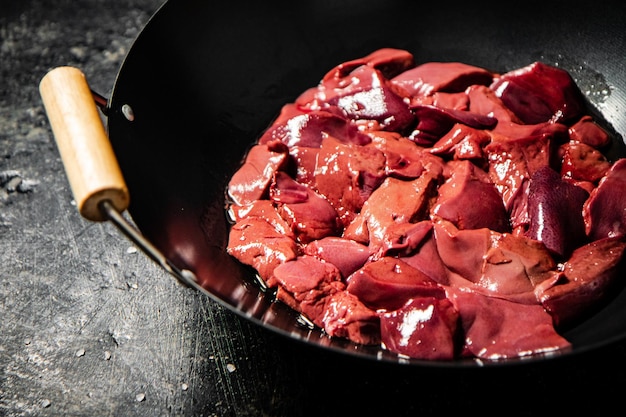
(89, 326)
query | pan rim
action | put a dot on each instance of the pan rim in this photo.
(115, 119)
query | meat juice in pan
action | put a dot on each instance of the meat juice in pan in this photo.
(439, 210)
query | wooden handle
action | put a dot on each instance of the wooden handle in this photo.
(90, 164)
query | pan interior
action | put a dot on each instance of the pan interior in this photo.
(205, 81)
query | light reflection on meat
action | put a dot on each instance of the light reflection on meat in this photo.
(439, 210)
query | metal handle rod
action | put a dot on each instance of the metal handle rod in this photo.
(184, 275)
(90, 163)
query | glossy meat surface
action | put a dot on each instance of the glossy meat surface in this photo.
(440, 209)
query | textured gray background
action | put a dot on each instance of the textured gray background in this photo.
(90, 327)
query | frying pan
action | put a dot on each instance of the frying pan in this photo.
(202, 82)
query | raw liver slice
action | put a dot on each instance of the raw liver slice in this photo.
(587, 279)
(424, 328)
(451, 77)
(498, 329)
(394, 201)
(388, 283)
(347, 255)
(604, 212)
(346, 316)
(555, 212)
(306, 283)
(539, 93)
(310, 215)
(262, 239)
(470, 200)
(251, 181)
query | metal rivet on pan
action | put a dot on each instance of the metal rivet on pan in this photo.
(127, 111)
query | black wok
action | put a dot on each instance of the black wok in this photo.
(202, 82)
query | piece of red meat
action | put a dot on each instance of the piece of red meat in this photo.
(262, 239)
(511, 164)
(304, 159)
(472, 243)
(470, 200)
(263, 210)
(462, 142)
(389, 61)
(539, 93)
(456, 101)
(250, 182)
(360, 93)
(589, 276)
(604, 211)
(298, 128)
(347, 174)
(403, 239)
(555, 133)
(366, 95)
(434, 122)
(403, 158)
(493, 264)
(305, 284)
(483, 100)
(309, 214)
(414, 243)
(582, 162)
(498, 329)
(346, 316)
(513, 161)
(587, 131)
(347, 255)
(555, 212)
(394, 201)
(450, 77)
(388, 283)
(424, 328)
